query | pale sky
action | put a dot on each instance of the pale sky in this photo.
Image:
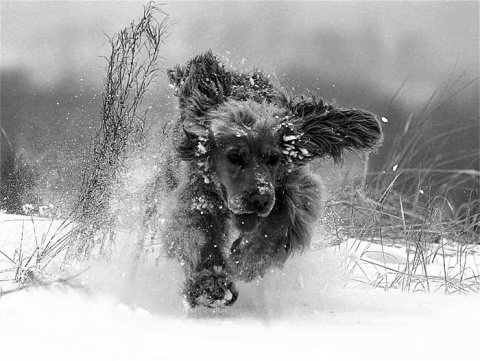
(49, 38)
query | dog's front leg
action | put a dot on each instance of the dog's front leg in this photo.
(195, 235)
(253, 254)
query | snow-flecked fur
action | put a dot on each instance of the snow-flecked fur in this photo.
(247, 144)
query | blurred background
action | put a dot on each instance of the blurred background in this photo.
(405, 61)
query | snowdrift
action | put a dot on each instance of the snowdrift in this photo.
(308, 310)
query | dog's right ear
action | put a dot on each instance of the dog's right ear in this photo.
(195, 144)
(201, 85)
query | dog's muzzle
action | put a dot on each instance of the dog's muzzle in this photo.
(252, 202)
(250, 206)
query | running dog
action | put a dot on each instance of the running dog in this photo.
(248, 144)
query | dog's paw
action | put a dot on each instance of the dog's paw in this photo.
(210, 289)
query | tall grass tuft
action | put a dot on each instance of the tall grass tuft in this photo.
(410, 206)
(133, 64)
(418, 150)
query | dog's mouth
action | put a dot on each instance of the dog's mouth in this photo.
(246, 220)
(246, 215)
(246, 223)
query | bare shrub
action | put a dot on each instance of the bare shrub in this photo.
(133, 64)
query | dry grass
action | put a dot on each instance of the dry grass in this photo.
(442, 247)
(89, 230)
(37, 259)
(408, 206)
(133, 65)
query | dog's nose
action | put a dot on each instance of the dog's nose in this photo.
(260, 201)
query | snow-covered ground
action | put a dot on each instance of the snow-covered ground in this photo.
(309, 310)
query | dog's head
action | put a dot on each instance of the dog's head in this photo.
(245, 135)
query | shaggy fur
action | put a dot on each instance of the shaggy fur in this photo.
(247, 144)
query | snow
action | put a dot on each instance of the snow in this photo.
(309, 310)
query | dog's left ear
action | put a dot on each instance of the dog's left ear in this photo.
(317, 129)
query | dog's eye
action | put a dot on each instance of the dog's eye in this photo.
(273, 159)
(236, 158)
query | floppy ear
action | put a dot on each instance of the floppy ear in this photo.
(204, 83)
(201, 84)
(318, 128)
(195, 144)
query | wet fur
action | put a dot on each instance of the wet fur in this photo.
(247, 145)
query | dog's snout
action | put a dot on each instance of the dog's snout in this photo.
(260, 201)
